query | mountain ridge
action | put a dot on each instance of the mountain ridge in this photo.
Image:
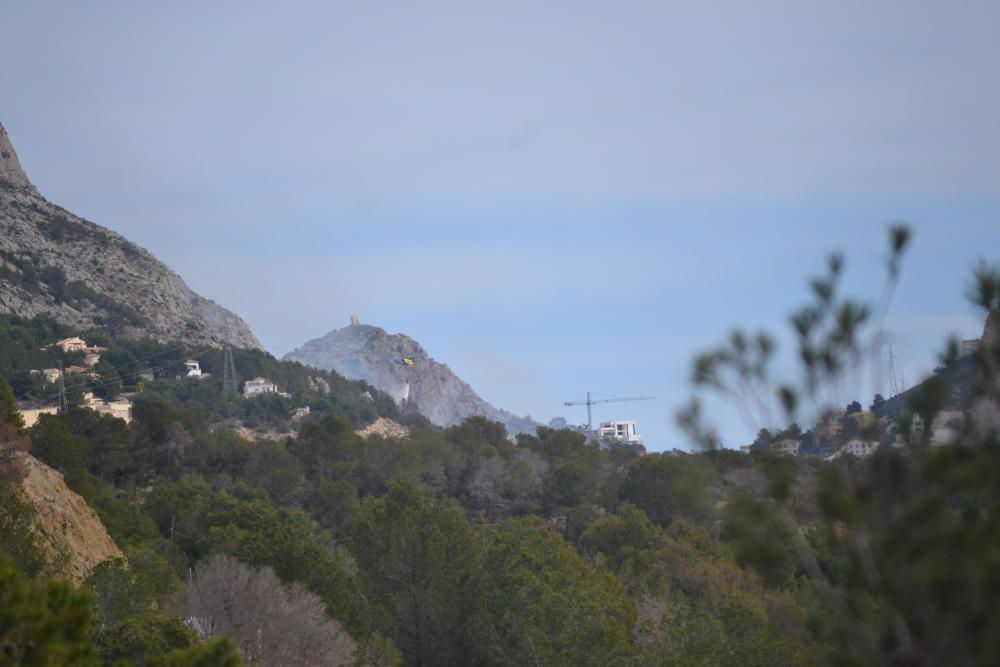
(366, 352)
(58, 264)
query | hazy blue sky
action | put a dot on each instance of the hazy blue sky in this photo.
(551, 197)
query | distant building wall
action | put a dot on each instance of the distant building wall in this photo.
(619, 430)
(31, 416)
(789, 447)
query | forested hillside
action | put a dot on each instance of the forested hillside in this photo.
(462, 546)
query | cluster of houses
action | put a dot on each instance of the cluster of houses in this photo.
(944, 430)
(91, 357)
(121, 407)
(258, 386)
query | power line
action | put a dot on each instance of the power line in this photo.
(125, 376)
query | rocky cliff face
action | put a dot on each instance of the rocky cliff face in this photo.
(10, 167)
(55, 263)
(74, 535)
(364, 352)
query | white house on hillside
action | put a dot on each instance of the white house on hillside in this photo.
(192, 369)
(859, 448)
(50, 374)
(120, 407)
(259, 386)
(945, 429)
(72, 344)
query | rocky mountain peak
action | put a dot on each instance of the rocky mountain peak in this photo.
(11, 172)
(401, 367)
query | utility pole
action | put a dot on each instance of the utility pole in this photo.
(590, 402)
(894, 383)
(229, 384)
(62, 390)
(228, 373)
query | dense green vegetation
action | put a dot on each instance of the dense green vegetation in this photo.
(464, 547)
(445, 547)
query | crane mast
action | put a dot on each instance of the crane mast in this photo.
(590, 403)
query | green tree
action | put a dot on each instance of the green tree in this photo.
(53, 443)
(667, 487)
(417, 557)
(540, 604)
(12, 440)
(199, 521)
(9, 413)
(19, 538)
(145, 639)
(43, 623)
(110, 383)
(571, 484)
(219, 652)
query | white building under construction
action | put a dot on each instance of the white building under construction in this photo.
(619, 430)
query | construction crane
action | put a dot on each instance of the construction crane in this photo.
(590, 402)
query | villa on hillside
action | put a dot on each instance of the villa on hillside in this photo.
(76, 344)
(72, 345)
(119, 407)
(787, 446)
(50, 374)
(192, 369)
(259, 386)
(859, 448)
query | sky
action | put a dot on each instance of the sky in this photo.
(551, 197)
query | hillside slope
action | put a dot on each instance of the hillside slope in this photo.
(70, 527)
(364, 352)
(57, 264)
(959, 378)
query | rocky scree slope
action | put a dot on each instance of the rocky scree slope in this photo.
(364, 352)
(74, 536)
(57, 264)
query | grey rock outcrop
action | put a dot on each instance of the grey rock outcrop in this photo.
(11, 173)
(364, 352)
(81, 274)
